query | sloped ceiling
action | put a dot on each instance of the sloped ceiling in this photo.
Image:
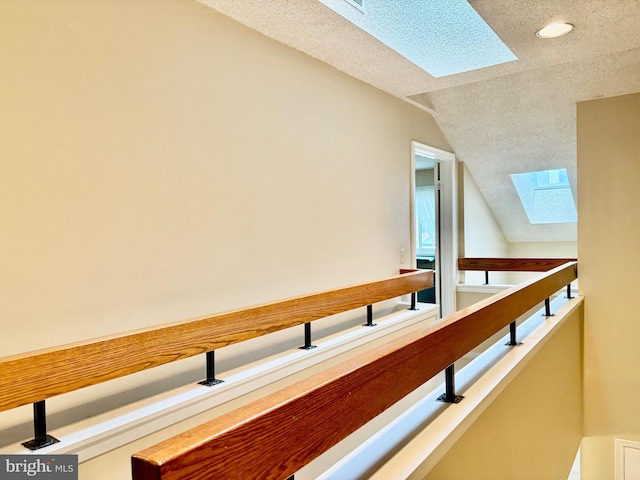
(510, 118)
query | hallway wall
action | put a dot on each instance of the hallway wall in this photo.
(608, 231)
(480, 230)
(152, 150)
(161, 161)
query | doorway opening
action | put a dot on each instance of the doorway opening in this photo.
(433, 222)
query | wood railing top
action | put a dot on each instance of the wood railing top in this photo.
(512, 264)
(280, 433)
(34, 376)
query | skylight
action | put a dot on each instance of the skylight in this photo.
(546, 196)
(443, 37)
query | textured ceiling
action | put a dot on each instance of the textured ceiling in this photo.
(459, 39)
(515, 117)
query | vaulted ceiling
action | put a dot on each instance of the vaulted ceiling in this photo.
(510, 118)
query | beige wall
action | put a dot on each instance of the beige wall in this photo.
(466, 299)
(608, 232)
(154, 150)
(607, 137)
(160, 161)
(533, 429)
(543, 249)
(597, 458)
(540, 250)
(483, 236)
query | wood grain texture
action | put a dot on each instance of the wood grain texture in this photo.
(512, 264)
(277, 435)
(34, 376)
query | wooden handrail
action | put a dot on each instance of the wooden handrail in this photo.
(280, 433)
(511, 264)
(35, 376)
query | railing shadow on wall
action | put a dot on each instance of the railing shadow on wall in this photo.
(277, 435)
(33, 377)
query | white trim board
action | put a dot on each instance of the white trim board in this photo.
(627, 458)
(447, 254)
(473, 288)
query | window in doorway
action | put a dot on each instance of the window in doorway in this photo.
(426, 221)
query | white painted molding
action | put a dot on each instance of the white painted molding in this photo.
(447, 246)
(622, 448)
(497, 288)
(430, 111)
(492, 288)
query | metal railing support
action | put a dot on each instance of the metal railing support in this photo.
(211, 371)
(41, 439)
(307, 337)
(569, 291)
(414, 296)
(513, 341)
(370, 317)
(450, 388)
(547, 308)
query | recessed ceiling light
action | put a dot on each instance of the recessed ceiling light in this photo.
(554, 30)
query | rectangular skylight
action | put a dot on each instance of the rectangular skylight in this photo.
(546, 196)
(359, 4)
(443, 37)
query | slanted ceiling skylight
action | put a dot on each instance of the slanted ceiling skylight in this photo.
(546, 196)
(443, 37)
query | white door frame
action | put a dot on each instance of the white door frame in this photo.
(447, 247)
(621, 446)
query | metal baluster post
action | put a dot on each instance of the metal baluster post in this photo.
(547, 308)
(370, 317)
(513, 342)
(413, 301)
(307, 337)
(211, 371)
(41, 439)
(450, 387)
